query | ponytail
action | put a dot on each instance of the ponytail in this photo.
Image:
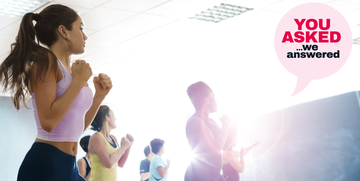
(15, 71)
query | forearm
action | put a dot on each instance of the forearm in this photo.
(166, 170)
(89, 116)
(246, 151)
(114, 158)
(145, 176)
(59, 108)
(124, 157)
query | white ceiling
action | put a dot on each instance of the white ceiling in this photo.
(151, 43)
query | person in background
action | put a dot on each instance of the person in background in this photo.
(85, 162)
(159, 170)
(104, 151)
(206, 139)
(231, 165)
(145, 164)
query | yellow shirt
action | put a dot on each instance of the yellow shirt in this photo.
(98, 171)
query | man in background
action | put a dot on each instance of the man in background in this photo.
(145, 164)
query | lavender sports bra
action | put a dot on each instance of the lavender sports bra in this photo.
(71, 126)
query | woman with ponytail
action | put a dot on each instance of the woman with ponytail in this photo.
(64, 105)
(105, 153)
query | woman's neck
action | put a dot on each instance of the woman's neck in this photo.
(61, 54)
(203, 114)
(105, 130)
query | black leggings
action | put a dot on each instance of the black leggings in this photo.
(44, 162)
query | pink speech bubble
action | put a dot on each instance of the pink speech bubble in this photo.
(312, 24)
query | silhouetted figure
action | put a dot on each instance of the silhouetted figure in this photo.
(205, 138)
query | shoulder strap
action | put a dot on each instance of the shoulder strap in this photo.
(87, 163)
(113, 141)
(62, 68)
(108, 141)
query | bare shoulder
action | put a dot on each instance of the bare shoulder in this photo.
(81, 160)
(193, 124)
(193, 120)
(96, 139)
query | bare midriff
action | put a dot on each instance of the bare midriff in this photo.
(69, 148)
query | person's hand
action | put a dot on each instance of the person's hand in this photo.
(81, 71)
(125, 142)
(225, 120)
(130, 138)
(102, 84)
(168, 162)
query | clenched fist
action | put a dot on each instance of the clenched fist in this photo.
(81, 71)
(102, 85)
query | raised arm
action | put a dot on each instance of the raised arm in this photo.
(124, 157)
(98, 146)
(103, 85)
(162, 172)
(51, 110)
(248, 149)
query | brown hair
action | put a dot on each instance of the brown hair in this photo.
(15, 71)
(99, 118)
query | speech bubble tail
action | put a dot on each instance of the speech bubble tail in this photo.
(300, 85)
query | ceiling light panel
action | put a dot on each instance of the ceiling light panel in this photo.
(220, 13)
(18, 8)
(356, 41)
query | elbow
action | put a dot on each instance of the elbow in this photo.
(162, 175)
(46, 124)
(108, 165)
(121, 165)
(47, 128)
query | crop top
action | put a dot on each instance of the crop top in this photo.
(71, 126)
